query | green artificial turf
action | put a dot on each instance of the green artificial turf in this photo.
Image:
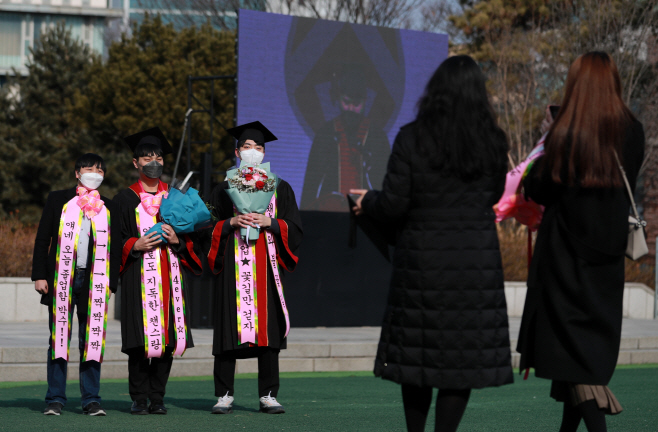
(322, 402)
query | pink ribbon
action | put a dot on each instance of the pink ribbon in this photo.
(69, 230)
(152, 203)
(152, 296)
(178, 301)
(89, 201)
(245, 255)
(245, 277)
(271, 254)
(152, 301)
(98, 289)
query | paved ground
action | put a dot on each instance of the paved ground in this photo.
(34, 334)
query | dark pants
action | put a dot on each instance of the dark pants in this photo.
(268, 373)
(90, 371)
(147, 378)
(450, 407)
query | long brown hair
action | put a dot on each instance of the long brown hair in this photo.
(590, 126)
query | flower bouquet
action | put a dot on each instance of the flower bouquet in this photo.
(184, 211)
(251, 188)
(513, 203)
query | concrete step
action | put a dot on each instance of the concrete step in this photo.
(28, 363)
(191, 367)
(204, 351)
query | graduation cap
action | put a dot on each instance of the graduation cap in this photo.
(351, 81)
(149, 136)
(377, 232)
(252, 131)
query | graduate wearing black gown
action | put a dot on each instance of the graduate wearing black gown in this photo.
(286, 228)
(45, 270)
(348, 152)
(148, 377)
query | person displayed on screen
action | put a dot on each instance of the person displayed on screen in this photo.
(154, 287)
(572, 318)
(348, 152)
(255, 324)
(445, 324)
(65, 266)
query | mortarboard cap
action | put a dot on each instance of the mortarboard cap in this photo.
(253, 131)
(149, 136)
(352, 81)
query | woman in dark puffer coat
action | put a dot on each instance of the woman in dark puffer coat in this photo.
(446, 324)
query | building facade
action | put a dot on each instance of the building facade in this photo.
(98, 22)
(23, 21)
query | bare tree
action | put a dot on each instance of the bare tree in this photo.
(434, 16)
(526, 53)
(387, 13)
(222, 13)
(509, 45)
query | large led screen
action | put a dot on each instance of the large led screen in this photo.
(335, 94)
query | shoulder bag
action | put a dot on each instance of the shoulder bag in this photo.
(636, 247)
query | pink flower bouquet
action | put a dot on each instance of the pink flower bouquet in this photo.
(513, 204)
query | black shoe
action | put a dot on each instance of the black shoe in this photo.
(139, 408)
(54, 408)
(93, 409)
(157, 408)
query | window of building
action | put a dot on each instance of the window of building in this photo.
(88, 32)
(10, 35)
(28, 35)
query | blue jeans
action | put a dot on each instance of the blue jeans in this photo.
(90, 371)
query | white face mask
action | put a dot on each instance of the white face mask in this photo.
(252, 156)
(91, 180)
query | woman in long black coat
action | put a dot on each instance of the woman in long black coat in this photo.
(445, 324)
(571, 325)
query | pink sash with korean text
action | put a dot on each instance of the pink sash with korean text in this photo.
(246, 298)
(99, 292)
(271, 254)
(152, 297)
(178, 301)
(67, 244)
(245, 276)
(152, 304)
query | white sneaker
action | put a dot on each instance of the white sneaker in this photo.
(224, 405)
(269, 405)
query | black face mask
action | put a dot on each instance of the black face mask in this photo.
(152, 169)
(351, 120)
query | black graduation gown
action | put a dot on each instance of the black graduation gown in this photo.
(220, 242)
(132, 322)
(322, 180)
(445, 324)
(44, 258)
(571, 324)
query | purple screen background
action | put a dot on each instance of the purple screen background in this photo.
(263, 95)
